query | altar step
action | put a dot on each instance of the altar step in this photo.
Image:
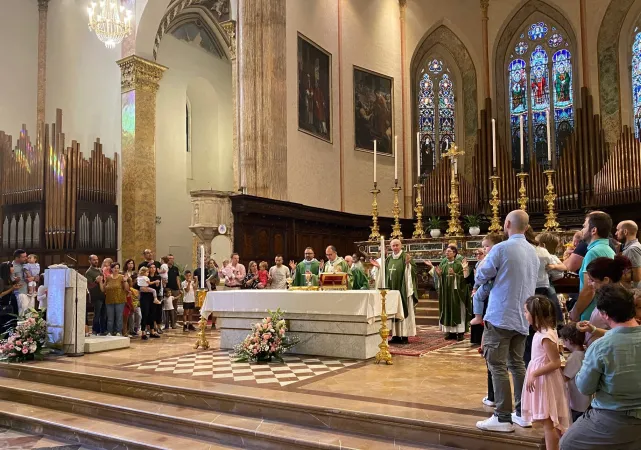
(118, 412)
(427, 311)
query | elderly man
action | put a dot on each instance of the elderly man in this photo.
(359, 280)
(627, 234)
(513, 267)
(300, 271)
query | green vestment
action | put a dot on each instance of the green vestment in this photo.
(339, 265)
(359, 280)
(299, 273)
(396, 280)
(452, 291)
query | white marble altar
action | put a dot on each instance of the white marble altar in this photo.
(341, 324)
(66, 326)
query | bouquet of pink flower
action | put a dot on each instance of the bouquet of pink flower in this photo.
(266, 341)
(27, 340)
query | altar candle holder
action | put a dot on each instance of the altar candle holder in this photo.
(523, 199)
(396, 211)
(201, 294)
(495, 201)
(383, 352)
(375, 235)
(550, 224)
(419, 233)
(454, 228)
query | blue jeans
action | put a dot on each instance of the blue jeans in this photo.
(115, 311)
(99, 315)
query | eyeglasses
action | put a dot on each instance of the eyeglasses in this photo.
(309, 254)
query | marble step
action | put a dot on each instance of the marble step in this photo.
(391, 422)
(426, 311)
(426, 320)
(94, 432)
(223, 428)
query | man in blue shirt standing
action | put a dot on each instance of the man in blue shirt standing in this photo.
(596, 229)
(514, 266)
(611, 372)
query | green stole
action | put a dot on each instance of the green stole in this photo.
(395, 279)
(449, 299)
(299, 275)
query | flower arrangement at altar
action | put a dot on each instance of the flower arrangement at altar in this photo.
(267, 340)
(27, 340)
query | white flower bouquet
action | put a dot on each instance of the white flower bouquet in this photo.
(27, 340)
(267, 340)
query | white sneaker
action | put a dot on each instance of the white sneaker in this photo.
(520, 421)
(487, 402)
(493, 424)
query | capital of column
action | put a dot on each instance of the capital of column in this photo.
(230, 29)
(402, 3)
(43, 5)
(139, 73)
(485, 4)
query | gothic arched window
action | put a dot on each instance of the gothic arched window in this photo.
(539, 64)
(436, 113)
(636, 84)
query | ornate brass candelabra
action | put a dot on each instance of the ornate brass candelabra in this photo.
(396, 210)
(454, 228)
(375, 235)
(383, 353)
(201, 294)
(419, 233)
(550, 224)
(522, 176)
(495, 224)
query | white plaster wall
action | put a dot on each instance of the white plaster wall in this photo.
(207, 81)
(83, 79)
(19, 60)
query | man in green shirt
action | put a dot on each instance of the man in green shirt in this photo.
(308, 265)
(596, 229)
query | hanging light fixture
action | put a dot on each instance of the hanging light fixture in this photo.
(110, 21)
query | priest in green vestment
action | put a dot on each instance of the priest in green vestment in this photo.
(453, 294)
(336, 264)
(400, 274)
(359, 280)
(309, 265)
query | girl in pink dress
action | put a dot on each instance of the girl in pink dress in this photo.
(544, 400)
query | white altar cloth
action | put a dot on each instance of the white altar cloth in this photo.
(340, 324)
(365, 304)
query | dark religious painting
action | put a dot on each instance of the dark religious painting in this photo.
(314, 89)
(373, 112)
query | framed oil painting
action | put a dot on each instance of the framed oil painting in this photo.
(314, 90)
(373, 111)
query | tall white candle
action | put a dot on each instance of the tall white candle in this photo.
(374, 160)
(522, 137)
(395, 158)
(547, 123)
(418, 156)
(202, 267)
(383, 261)
(494, 143)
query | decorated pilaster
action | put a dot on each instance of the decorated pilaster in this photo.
(230, 30)
(139, 85)
(485, 4)
(43, 8)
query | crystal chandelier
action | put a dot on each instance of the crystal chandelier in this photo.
(110, 21)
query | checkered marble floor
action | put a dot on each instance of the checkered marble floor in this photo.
(460, 349)
(220, 366)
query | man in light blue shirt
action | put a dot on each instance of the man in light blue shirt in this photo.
(596, 229)
(611, 372)
(514, 266)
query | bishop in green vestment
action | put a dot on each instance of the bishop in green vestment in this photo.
(453, 294)
(309, 264)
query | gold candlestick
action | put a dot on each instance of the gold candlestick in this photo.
(383, 353)
(522, 176)
(202, 325)
(375, 234)
(396, 210)
(454, 228)
(419, 233)
(550, 224)
(495, 224)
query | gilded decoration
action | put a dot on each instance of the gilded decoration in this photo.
(230, 29)
(138, 73)
(43, 5)
(485, 4)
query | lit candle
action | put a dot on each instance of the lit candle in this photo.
(494, 143)
(547, 123)
(383, 261)
(202, 267)
(374, 161)
(395, 159)
(418, 156)
(521, 125)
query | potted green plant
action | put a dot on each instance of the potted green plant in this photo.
(473, 224)
(434, 224)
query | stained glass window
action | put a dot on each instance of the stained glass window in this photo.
(534, 72)
(436, 113)
(636, 84)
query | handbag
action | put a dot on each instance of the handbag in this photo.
(6, 309)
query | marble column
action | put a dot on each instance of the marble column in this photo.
(43, 7)
(230, 29)
(262, 99)
(139, 85)
(485, 4)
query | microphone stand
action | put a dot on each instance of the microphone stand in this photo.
(75, 352)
